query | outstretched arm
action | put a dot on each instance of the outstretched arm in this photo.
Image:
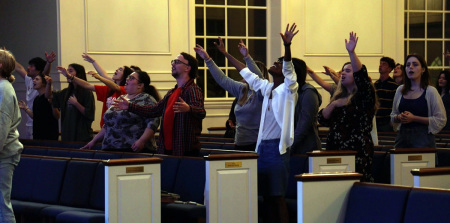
(20, 70)
(325, 85)
(235, 62)
(48, 66)
(350, 45)
(97, 66)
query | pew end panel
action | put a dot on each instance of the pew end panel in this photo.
(405, 159)
(133, 190)
(330, 189)
(438, 177)
(331, 161)
(231, 188)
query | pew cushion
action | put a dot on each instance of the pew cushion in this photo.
(28, 208)
(81, 217)
(50, 174)
(24, 178)
(428, 205)
(376, 203)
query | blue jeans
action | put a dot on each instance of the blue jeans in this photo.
(273, 169)
(7, 167)
(414, 137)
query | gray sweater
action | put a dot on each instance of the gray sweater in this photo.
(9, 120)
(248, 116)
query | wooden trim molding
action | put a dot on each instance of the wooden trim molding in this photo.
(310, 177)
(412, 150)
(431, 171)
(331, 153)
(132, 161)
(231, 156)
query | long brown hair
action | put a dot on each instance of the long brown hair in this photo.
(424, 79)
(8, 65)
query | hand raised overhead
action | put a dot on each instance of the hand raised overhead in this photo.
(50, 57)
(350, 45)
(220, 46)
(201, 52)
(243, 48)
(87, 58)
(289, 33)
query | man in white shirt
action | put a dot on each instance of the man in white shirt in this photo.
(35, 66)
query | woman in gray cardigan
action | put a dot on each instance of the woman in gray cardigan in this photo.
(248, 107)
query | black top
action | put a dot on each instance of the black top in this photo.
(45, 125)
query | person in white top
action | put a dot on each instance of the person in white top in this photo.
(35, 66)
(276, 132)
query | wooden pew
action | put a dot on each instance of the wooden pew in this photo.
(438, 177)
(404, 160)
(331, 161)
(231, 193)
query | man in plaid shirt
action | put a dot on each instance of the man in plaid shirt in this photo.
(182, 110)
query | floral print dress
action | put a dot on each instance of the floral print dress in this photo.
(350, 125)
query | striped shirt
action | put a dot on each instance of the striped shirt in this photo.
(187, 126)
(385, 92)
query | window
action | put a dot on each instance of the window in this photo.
(427, 32)
(232, 20)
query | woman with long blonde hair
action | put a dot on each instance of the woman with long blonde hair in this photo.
(350, 112)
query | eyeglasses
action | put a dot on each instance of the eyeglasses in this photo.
(130, 78)
(280, 60)
(178, 62)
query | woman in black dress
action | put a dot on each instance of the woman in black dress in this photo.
(350, 112)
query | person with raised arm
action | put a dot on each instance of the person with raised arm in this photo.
(330, 87)
(76, 104)
(113, 88)
(182, 110)
(45, 117)
(10, 147)
(125, 131)
(418, 112)
(36, 66)
(248, 107)
(350, 112)
(276, 129)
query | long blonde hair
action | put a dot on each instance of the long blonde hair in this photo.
(8, 65)
(342, 92)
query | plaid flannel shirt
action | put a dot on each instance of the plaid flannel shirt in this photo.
(187, 126)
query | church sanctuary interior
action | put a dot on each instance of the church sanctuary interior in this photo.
(56, 181)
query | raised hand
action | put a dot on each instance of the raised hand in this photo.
(220, 46)
(88, 58)
(201, 52)
(243, 48)
(181, 106)
(94, 74)
(350, 45)
(63, 71)
(289, 33)
(120, 103)
(50, 57)
(48, 79)
(309, 70)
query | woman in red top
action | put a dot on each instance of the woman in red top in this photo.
(113, 88)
